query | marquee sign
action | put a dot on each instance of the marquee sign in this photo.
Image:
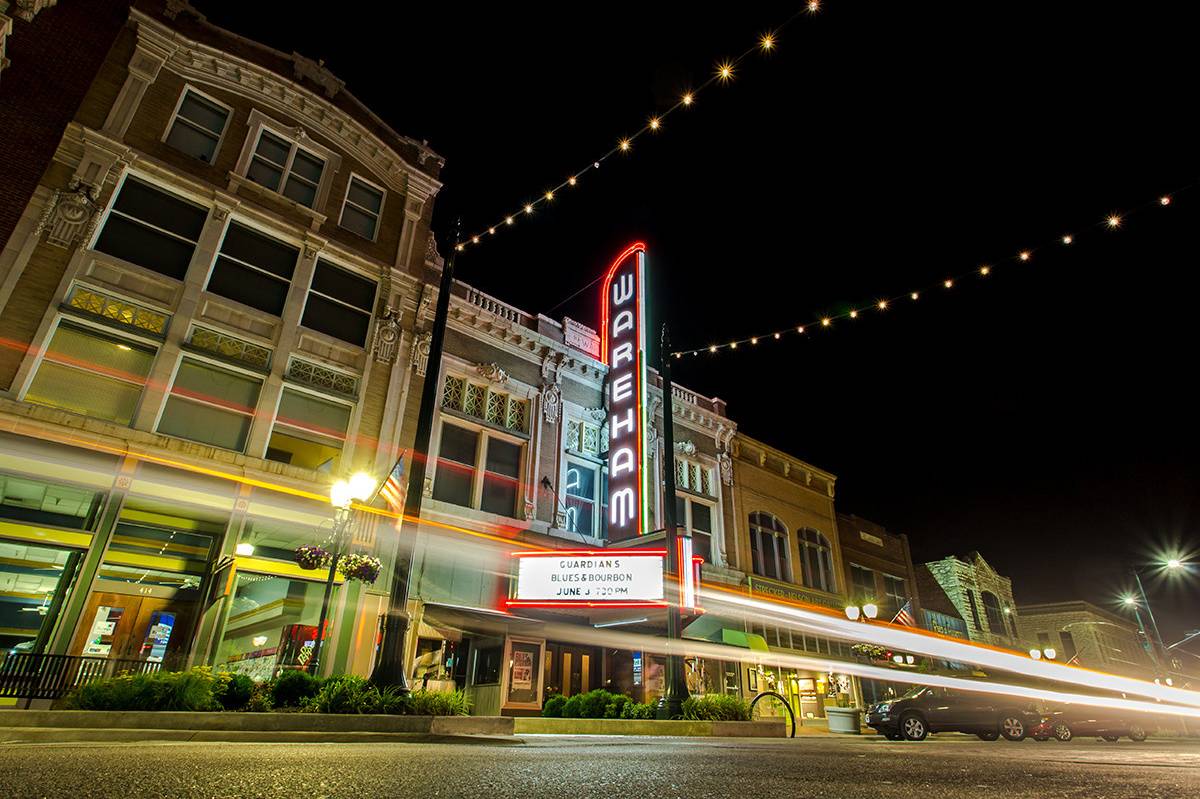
(623, 348)
(590, 578)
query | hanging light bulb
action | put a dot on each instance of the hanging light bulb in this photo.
(528, 208)
(767, 42)
(914, 295)
(687, 98)
(985, 270)
(1024, 256)
(776, 335)
(814, 6)
(1114, 221)
(474, 239)
(1164, 200)
(571, 181)
(853, 314)
(624, 145)
(948, 283)
(754, 340)
(491, 231)
(800, 329)
(826, 322)
(882, 305)
(654, 123)
(549, 196)
(1067, 239)
(508, 220)
(725, 71)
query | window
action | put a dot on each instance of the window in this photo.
(263, 644)
(995, 616)
(693, 477)
(91, 373)
(974, 609)
(197, 127)
(816, 559)
(253, 269)
(1068, 646)
(360, 211)
(481, 402)
(47, 503)
(210, 405)
(277, 161)
(862, 584)
(339, 304)
(895, 591)
(586, 501)
(487, 665)
(584, 437)
(697, 518)
(1043, 640)
(153, 229)
(309, 431)
(477, 470)
(769, 546)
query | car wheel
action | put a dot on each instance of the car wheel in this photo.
(913, 728)
(1111, 738)
(1063, 733)
(1012, 727)
(988, 735)
(1137, 733)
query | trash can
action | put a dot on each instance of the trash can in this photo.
(844, 720)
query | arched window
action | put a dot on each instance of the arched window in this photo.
(816, 560)
(995, 616)
(769, 548)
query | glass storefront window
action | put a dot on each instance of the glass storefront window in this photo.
(272, 625)
(46, 503)
(29, 576)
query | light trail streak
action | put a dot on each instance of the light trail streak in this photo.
(943, 648)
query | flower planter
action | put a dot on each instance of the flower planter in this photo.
(844, 720)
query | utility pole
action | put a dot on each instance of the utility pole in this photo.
(675, 689)
(392, 667)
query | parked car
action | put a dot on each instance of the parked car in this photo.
(1068, 723)
(925, 709)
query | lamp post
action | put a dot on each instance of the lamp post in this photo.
(1048, 652)
(867, 612)
(675, 690)
(342, 495)
(392, 666)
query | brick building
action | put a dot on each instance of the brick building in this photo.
(1086, 635)
(983, 598)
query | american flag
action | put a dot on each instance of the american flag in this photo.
(904, 615)
(392, 489)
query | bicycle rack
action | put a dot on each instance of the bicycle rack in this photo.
(786, 704)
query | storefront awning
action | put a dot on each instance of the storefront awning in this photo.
(711, 628)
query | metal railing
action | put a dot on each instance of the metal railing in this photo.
(25, 675)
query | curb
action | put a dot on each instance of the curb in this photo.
(59, 735)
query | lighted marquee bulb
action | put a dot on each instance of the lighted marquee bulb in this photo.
(1067, 239)
(687, 98)
(1024, 255)
(1114, 221)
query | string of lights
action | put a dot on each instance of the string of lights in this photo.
(723, 73)
(1112, 223)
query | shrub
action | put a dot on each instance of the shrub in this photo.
(293, 687)
(573, 708)
(260, 698)
(716, 707)
(233, 691)
(553, 707)
(637, 710)
(437, 703)
(163, 690)
(593, 703)
(616, 705)
(345, 694)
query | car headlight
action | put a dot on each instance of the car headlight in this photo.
(884, 708)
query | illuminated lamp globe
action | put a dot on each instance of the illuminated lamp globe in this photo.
(908, 659)
(898, 658)
(1050, 652)
(852, 612)
(870, 610)
(1036, 654)
(1170, 681)
(339, 494)
(1129, 601)
(362, 486)
(244, 550)
(1174, 564)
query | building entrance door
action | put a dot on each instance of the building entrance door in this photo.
(134, 624)
(573, 669)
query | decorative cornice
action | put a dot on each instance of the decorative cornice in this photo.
(211, 65)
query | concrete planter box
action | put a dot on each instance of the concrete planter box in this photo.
(721, 729)
(844, 720)
(256, 722)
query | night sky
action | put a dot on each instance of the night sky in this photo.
(1044, 415)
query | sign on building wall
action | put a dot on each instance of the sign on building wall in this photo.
(603, 577)
(623, 348)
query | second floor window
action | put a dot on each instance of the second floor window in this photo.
(816, 560)
(309, 431)
(339, 303)
(862, 584)
(481, 402)
(152, 228)
(769, 546)
(586, 496)
(198, 126)
(974, 609)
(476, 469)
(88, 372)
(895, 592)
(697, 518)
(210, 405)
(282, 166)
(253, 269)
(995, 616)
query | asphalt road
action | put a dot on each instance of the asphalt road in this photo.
(609, 767)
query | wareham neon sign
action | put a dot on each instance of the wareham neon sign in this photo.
(623, 348)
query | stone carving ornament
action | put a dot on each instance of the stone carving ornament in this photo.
(492, 372)
(387, 335)
(420, 353)
(70, 215)
(725, 464)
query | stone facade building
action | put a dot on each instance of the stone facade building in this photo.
(1083, 634)
(983, 598)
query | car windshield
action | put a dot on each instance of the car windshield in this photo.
(914, 692)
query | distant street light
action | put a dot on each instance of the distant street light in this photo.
(1049, 653)
(865, 613)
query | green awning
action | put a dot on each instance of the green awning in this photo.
(751, 641)
(711, 628)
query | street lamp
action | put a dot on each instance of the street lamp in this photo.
(865, 613)
(1049, 653)
(342, 496)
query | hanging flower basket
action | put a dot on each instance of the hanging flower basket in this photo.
(312, 557)
(869, 651)
(360, 567)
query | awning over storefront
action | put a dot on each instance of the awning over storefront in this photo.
(710, 628)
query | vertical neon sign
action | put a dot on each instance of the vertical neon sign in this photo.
(623, 347)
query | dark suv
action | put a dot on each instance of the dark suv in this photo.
(924, 709)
